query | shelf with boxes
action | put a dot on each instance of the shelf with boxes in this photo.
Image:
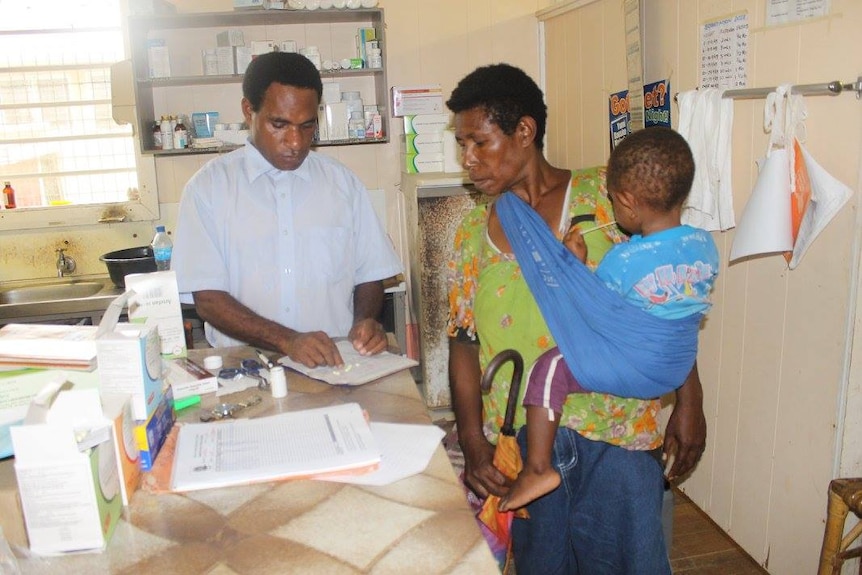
(174, 72)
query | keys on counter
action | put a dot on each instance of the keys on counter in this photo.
(228, 410)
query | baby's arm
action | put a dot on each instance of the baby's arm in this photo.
(576, 244)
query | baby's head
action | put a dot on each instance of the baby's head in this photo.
(655, 165)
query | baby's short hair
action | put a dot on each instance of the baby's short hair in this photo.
(655, 164)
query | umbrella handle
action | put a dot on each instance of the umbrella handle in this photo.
(514, 389)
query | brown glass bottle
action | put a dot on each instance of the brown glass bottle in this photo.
(8, 196)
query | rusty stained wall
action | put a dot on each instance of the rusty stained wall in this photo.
(438, 220)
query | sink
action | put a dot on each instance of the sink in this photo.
(46, 292)
(60, 299)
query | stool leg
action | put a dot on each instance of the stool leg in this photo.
(836, 514)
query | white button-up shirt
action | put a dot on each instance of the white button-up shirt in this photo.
(290, 245)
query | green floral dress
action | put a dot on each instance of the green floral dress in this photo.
(490, 301)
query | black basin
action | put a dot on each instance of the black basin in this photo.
(129, 261)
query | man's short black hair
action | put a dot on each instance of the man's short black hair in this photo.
(655, 164)
(506, 94)
(286, 68)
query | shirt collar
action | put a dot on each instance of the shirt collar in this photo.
(256, 166)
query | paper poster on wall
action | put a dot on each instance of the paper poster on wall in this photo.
(634, 63)
(786, 11)
(657, 104)
(724, 52)
(619, 120)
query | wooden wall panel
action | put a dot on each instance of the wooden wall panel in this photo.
(775, 354)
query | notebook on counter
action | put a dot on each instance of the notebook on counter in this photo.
(357, 369)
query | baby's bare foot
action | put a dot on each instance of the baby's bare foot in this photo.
(528, 487)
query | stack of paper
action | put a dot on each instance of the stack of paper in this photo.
(43, 345)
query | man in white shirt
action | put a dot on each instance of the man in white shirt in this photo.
(279, 246)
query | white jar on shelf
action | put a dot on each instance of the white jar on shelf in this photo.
(375, 58)
(356, 126)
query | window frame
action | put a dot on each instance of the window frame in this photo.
(144, 208)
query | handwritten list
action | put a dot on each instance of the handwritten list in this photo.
(724, 52)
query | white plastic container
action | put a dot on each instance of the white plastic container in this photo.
(356, 127)
(278, 382)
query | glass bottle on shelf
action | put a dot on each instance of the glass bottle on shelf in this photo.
(167, 133)
(157, 136)
(8, 196)
(180, 135)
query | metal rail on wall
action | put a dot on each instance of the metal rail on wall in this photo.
(833, 88)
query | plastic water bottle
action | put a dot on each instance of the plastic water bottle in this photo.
(162, 248)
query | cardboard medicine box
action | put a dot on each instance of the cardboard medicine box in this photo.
(243, 4)
(130, 362)
(158, 59)
(187, 378)
(18, 387)
(150, 435)
(428, 143)
(230, 37)
(422, 163)
(155, 298)
(412, 100)
(69, 487)
(426, 123)
(118, 409)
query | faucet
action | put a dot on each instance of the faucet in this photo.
(65, 264)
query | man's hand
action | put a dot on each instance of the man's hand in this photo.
(312, 349)
(367, 337)
(685, 436)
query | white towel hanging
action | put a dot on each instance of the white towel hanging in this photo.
(706, 121)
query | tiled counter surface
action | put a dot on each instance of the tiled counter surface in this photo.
(421, 524)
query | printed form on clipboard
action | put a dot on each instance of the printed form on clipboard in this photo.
(357, 369)
(334, 439)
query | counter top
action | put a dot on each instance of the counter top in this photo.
(421, 524)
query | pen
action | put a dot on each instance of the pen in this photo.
(264, 359)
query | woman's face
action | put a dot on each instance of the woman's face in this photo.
(494, 161)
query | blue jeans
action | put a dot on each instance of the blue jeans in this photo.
(604, 519)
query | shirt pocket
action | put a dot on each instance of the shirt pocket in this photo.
(328, 252)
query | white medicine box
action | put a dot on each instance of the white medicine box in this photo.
(230, 37)
(130, 362)
(156, 299)
(67, 474)
(158, 59)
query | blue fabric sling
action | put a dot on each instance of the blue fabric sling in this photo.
(610, 345)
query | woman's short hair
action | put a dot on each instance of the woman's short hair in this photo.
(506, 94)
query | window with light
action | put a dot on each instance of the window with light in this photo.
(59, 144)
